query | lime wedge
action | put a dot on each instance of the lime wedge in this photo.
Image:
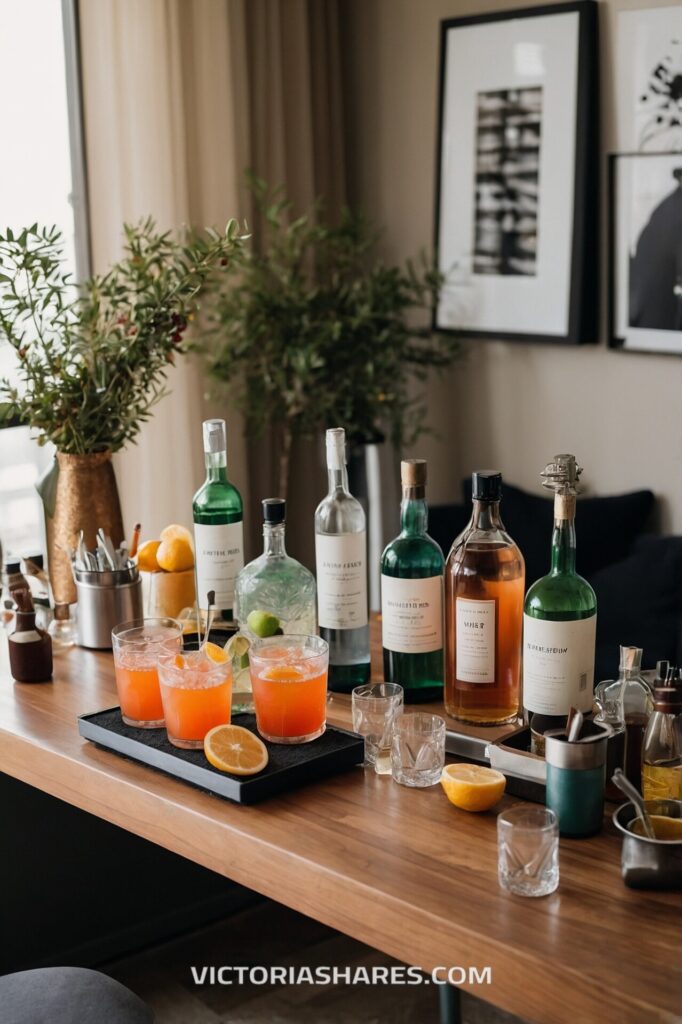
(237, 646)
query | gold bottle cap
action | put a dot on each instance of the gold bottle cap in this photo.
(413, 472)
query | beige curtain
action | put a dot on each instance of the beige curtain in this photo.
(295, 139)
(180, 97)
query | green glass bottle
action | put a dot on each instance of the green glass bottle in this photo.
(218, 527)
(412, 596)
(560, 616)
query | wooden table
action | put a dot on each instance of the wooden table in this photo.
(399, 869)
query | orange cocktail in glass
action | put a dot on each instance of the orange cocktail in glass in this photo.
(136, 646)
(197, 695)
(289, 681)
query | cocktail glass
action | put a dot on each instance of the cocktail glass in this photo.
(136, 646)
(289, 680)
(197, 695)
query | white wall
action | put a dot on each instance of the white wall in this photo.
(507, 406)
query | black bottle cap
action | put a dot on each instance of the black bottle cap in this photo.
(486, 485)
(36, 557)
(12, 566)
(274, 510)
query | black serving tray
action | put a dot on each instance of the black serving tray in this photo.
(290, 765)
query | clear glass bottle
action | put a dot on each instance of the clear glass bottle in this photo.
(412, 596)
(341, 563)
(34, 571)
(662, 746)
(560, 617)
(484, 587)
(276, 583)
(628, 702)
(218, 516)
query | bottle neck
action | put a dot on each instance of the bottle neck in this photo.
(273, 540)
(338, 479)
(25, 622)
(486, 515)
(414, 515)
(216, 466)
(563, 547)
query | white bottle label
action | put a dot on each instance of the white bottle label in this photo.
(558, 664)
(475, 626)
(219, 559)
(412, 614)
(341, 562)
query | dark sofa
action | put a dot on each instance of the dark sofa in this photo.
(637, 576)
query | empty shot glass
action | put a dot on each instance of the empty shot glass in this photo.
(375, 709)
(528, 850)
(418, 749)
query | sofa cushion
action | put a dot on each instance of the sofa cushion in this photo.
(639, 602)
(606, 528)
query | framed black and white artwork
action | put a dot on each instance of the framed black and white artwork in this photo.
(517, 174)
(649, 79)
(646, 252)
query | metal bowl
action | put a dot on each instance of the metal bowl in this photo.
(650, 863)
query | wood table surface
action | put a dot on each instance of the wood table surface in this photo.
(399, 869)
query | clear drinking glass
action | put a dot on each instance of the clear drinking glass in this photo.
(289, 680)
(136, 646)
(418, 749)
(196, 693)
(528, 850)
(375, 709)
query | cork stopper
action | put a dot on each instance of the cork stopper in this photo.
(413, 472)
(631, 658)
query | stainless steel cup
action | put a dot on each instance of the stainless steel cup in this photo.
(104, 600)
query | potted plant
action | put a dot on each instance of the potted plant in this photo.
(315, 332)
(92, 361)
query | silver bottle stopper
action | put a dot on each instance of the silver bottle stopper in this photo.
(562, 474)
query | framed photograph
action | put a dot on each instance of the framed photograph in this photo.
(646, 252)
(518, 174)
(649, 79)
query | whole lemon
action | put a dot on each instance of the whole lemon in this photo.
(146, 556)
(175, 554)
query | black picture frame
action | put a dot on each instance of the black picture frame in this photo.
(670, 338)
(583, 302)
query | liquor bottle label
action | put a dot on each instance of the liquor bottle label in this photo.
(558, 664)
(412, 614)
(341, 562)
(475, 625)
(219, 559)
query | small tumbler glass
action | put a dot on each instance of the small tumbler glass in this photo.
(137, 645)
(375, 709)
(418, 749)
(196, 693)
(528, 850)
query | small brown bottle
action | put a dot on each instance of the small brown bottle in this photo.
(30, 648)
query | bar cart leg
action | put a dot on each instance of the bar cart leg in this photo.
(450, 1004)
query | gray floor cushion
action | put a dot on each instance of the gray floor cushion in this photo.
(68, 995)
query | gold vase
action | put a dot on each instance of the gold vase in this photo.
(86, 498)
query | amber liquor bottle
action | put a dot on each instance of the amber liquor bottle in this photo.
(484, 589)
